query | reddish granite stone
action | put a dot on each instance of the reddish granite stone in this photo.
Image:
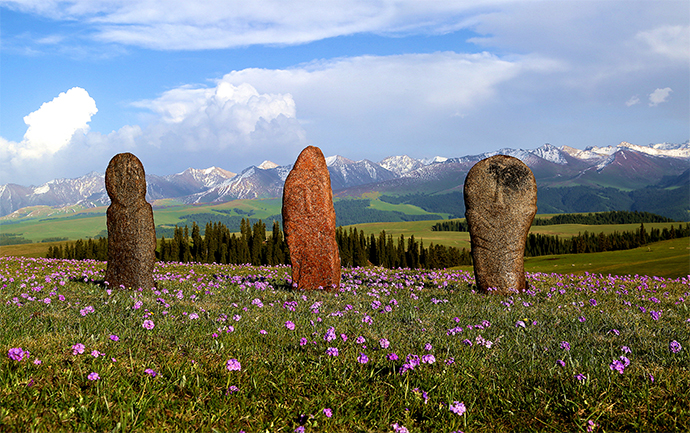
(131, 231)
(501, 201)
(309, 223)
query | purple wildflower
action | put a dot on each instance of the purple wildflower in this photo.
(17, 354)
(148, 324)
(114, 337)
(565, 345)
(617, 365)
(384, 343)
(362, 358)
(93, 376)
(332, 351)
(330, 334)
(423, 393)
(150, 372)
(392, 356)
(77, 349)
(328, 412)
(399, 428)
(591, 425)
(428, 359)
(233, 365)
(290, 325)
(457, 407)
(675, 346)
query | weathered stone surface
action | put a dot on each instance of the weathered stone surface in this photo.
(500, 201)
(131, 231)
(309, 222)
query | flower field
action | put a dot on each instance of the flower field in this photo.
(236, 348)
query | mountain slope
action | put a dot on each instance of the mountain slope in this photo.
(623, 167)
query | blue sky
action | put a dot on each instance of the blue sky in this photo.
(230, 84)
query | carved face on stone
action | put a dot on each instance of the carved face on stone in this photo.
(125, 180)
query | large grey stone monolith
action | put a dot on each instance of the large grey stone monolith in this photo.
(131, 231)
(309, 223)
(501, 201)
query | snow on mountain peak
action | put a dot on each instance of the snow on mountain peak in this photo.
(550, 153)
(429, 161)
(337, 159)
(267, 165)
(400, 164)
(661, 150)
(42, 189)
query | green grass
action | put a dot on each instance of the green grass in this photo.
(509, 379)
(41, 225)
(407, 209)
(670, 259)
(71, 228)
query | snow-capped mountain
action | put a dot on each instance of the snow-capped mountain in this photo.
(401, 165)
(58, 192)
(346, 172)
(625, 166)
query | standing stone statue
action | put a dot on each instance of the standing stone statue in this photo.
(309, 223)
(500, 201)
(131, 232)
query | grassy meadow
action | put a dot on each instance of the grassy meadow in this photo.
(236, 348)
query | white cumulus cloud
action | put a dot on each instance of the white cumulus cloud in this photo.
(224, 116)
(384, 101)
(51, 127)
(659, 96)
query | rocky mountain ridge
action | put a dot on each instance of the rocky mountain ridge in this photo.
(625, 166)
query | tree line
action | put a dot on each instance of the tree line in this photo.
(96, 249)
(544, 245)
(358, 249)
(219, 245)
(598, 218)
(603, 218)
(254, 245)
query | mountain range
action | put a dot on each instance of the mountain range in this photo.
(624, 167)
